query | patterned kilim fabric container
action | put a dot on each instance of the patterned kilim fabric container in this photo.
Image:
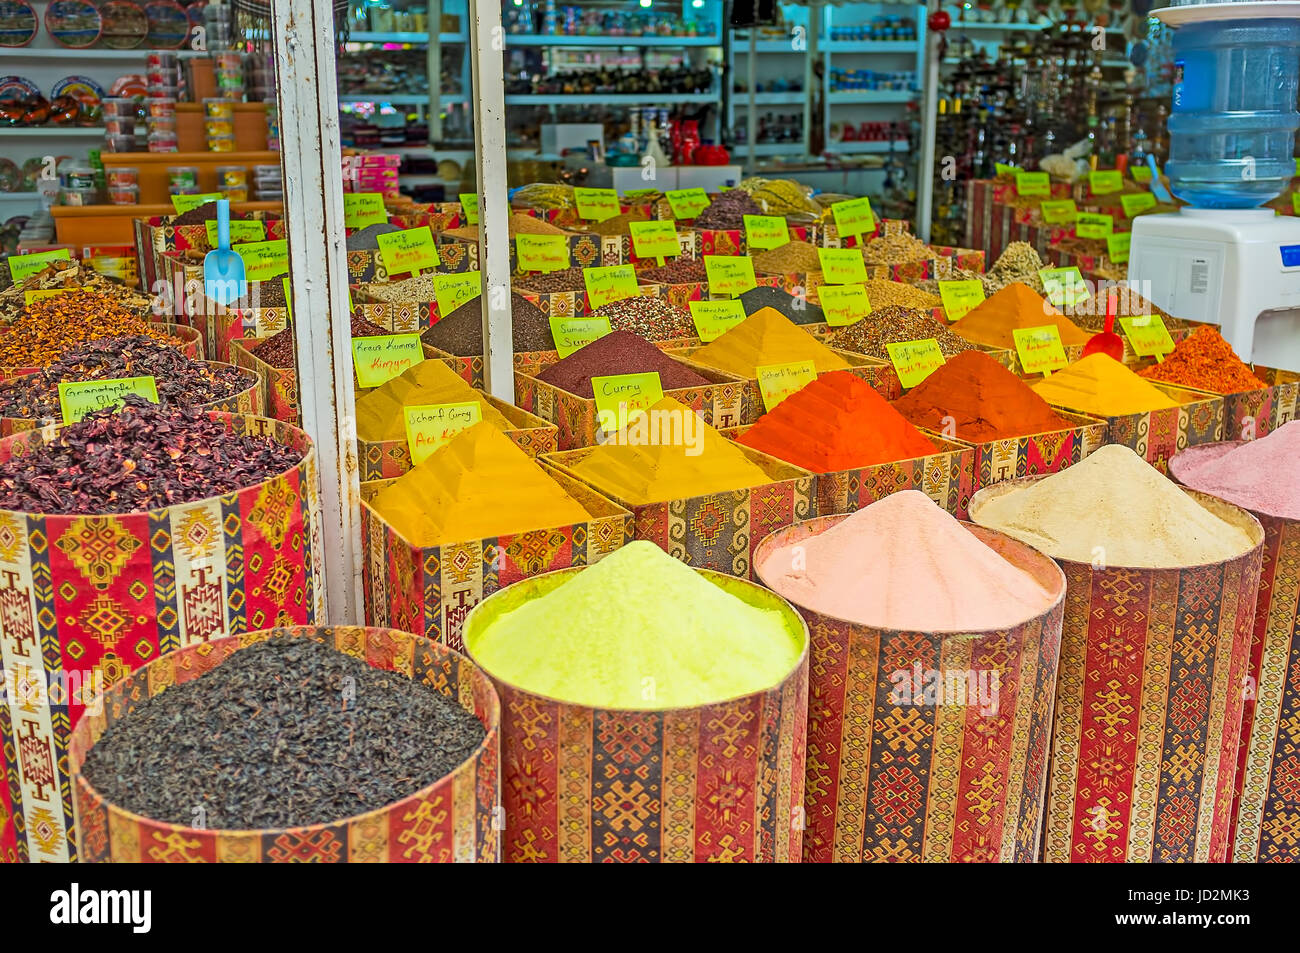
(1266, 815)
(1149, 705)
(1037, 454)
(894, 778)
(713, 783)
(451, 820)
(246, 401)
(87, 600)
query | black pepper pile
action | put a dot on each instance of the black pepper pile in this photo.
(727, 211)
(461, 332)
(263, 294)
(179, 379)
(565, 279)
(285, 733)
(277, 350)
(893, 325)
(799, 310)
(142, 457)
(651, 318)
(367, 239)
(676, 271)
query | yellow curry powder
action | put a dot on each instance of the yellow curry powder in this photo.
(766, 337)
(476, 486)
(668, 454)
(1099, 384)
(379, 412)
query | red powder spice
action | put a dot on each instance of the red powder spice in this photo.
(974, 398)
(1206, 361)
(836, 423)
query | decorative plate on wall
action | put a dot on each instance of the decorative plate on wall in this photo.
(125, 25)
(75, 24)
(169, 27)
(18, 23)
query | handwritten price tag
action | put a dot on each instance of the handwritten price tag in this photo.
(687, 203)
(1106, 181)
(842, 266)
(776, 382)
(1140, 173)
(715, 318)
(1065, 287)
(1089, 225)
(469, 205)
(381, 358)
(914, 361)
(78, 398)
(1040, 349)
(22, 267)
(844, 304)
(1033, 183)
(570, 334)
(30, 296)
(1117, 246)
(363, 208)
(729, 274)
(654, 239)
(766, 231)
(959, 297)
(430, 426)
(1147, 335)
(265, 260)
(411, 249)
(1002, 168)
(1137, 202)
(619, 396)
(240, 231)
(187, 203)
(1058, 211)
(610, 283)
(854, 217)
(452, 291)
(596, 204)
(542, 252)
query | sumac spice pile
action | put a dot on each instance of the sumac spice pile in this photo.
(461, 332)
(142, 457)
(179, 380)
(49, 327)
(618, 352)
(277, 350)
(728, 211)
(679, 271)
(284, 733)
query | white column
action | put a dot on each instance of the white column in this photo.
(433, 66)
(313, 180)
(487, 43)
(929, 122)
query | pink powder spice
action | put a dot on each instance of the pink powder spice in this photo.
(1261, 475)
(904, 563)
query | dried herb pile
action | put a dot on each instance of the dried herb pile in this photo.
(142, 457)
(49, 327)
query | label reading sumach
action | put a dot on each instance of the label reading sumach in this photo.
(776, 382)
(715, 318)
(411, 249)
(570, 334)
(844, 304)
(381, 358)
(78, 398)
(959, 297)
(609, 283)
(363, 208)
(654, 239)
(265, 260)
(914, 361)
(729, 274)
(240, 231)
(542, 252)
(452, 291)
(842, 266)
(22, 267)
(766, 231)
(1147, 335)
(1040, 349)
(687, 203)
(620, 396)
(596, 205)
(854, 217)
(429, 426)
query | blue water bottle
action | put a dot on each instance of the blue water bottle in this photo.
(1234, 116)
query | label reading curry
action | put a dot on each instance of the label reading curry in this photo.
(619, 396)
(429, 426)
(78, 398)
(30, 296)
(776, 382)
(381, 358)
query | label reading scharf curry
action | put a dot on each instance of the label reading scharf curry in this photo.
(381, 358)
(429, 426)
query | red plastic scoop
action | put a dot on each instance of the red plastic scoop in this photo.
(1107, 342)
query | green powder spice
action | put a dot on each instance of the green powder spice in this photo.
(639, 630)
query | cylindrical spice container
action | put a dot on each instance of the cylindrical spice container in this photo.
(1267, 796)
(1148, 702)
(88, 598)
(454, 819)
(719, 782)
(927, 746)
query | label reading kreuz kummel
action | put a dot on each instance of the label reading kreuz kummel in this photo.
(381, 358)
(776, 382)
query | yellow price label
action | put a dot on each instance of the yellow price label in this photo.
(452, 291)
(620, 396)
(265, 260)
(22, 267)
(363, 208)
(542, 252)
(1137, 202)
(30, 296)
(729, 274)
(240, 231)
(842, 266)
(1147, 335)
(1040, 349)
(1117, 246)
(854, 217)
(570, 334)
(1065, 287)
(766, 231)
(1106, 181)
(381, 358)
(1091, 225)
(960, 297)
(844, 304)
(776, 382)
(469, 205)
(654, 239)
(1058, 211)
(430, 426)
(79, 398)
(715, 318)
(610, 283)
(187, 203)
(914, 361)
(1033, 183)
(596, 205)
(410, 250)
(687, 203)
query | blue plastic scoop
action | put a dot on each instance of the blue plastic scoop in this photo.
(1157, 187)
(223, 269)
